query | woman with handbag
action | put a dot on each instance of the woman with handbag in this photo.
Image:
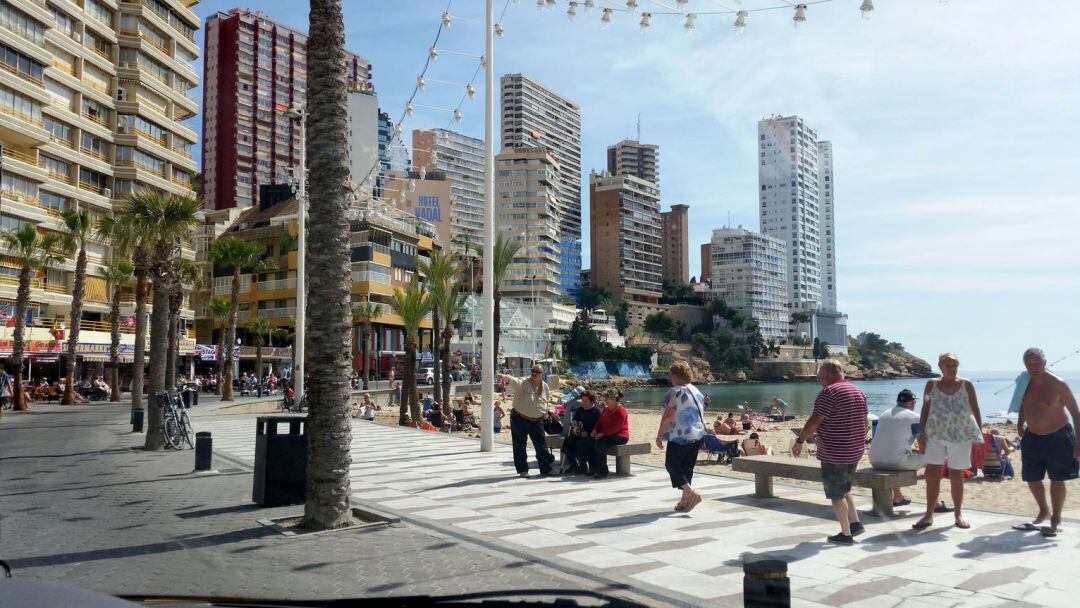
(613, 428)
(683, 426)
(579, 444)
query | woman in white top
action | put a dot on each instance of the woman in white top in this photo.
(949, 424)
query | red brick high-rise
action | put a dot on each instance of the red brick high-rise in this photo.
(255, 68)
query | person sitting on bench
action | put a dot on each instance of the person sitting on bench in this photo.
(578, 445)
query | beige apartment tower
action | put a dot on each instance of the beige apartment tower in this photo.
(526, 211)
(676, 260)
(95, 103)
(625, 235)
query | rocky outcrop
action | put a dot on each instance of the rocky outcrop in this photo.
(897, 364)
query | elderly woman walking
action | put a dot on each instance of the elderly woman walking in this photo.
(949, 424)
(683, 426)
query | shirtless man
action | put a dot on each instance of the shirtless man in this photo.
(1047, 443)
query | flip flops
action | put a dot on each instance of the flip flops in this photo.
(902, 502)
(1026, 527)
(1048, 532)
(922, 524)
(941, 508)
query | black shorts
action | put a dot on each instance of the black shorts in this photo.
(1053, 455)
(837, 479)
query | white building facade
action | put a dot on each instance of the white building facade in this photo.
(826, 187)
(461, 158)
(749, 272)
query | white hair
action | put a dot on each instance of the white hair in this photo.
(1035, 352)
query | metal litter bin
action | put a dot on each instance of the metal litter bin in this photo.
(280, 460)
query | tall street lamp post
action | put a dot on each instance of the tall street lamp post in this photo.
(298, 115)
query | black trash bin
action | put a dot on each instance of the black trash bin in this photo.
(765, 582)
(280, 460)
(185, 394)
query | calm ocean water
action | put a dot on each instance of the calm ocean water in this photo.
(994, 390)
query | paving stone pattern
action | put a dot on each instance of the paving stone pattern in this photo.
(79, 504)
(625, 528)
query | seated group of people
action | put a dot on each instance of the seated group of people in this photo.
(463, 418)
(592, 431)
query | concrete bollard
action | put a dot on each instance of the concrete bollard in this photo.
(137, 420)
(765, 582)
(204, 451)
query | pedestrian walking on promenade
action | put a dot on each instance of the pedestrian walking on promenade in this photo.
(682, 426)
(612, 429)
(949, 425)
(530, 405)
(1048, 444)
(840, 422)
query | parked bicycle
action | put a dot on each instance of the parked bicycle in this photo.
(288, 403)
(178, 427)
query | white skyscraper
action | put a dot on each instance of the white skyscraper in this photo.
(462, 159)
(749, 273)
(828, 226)
(790, 210)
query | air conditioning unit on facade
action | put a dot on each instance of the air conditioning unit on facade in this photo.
(107, 193)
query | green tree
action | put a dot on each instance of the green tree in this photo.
(329, 266)
(450, 301)
(363, 314)
(505, 250)
(117, 274)
(582, 343)
(594, 296)
(34, 252)
(219, 310)
(821, 349)
(76, 232)
(622, 317)
(661, 324)
(186, 277)
(158, 223)
(239, 256)
(800, 317)
(439, 271)
(411, 304)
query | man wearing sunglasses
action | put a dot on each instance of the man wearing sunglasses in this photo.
(530, 397)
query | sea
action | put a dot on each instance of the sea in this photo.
(993, 388)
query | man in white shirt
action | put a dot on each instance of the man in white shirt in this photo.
(891, 449)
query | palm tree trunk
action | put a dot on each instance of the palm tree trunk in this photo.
(447, 335)
(497, 322)
(159, 336)
(77, 294)
(408, 384)
(138, 366)
(114, 344)
(22, 301)
(365, 336)
(230, 338)
(329, 267)
(258, 363)
(436, 385)
(174, 344)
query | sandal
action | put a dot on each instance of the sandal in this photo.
(962, 524)
(1026, 527)
(1048, 531)
(922, 524)
(694, 501)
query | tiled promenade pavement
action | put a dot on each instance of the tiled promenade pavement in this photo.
(624, 529)
(79, 505)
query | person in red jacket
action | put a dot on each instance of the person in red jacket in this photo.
(612, 429)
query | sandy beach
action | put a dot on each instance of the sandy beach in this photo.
(1001, 495)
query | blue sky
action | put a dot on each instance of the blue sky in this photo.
(954, 130)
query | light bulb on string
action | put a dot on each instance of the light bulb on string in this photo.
(631, 6)
(571, 11)
(446, 19)
(397, 131)
(541, 5)
(644, 23)
(866, 8)
(589, 5)
(457, 115)
(470, 92)
(434, 157)
(499, 31)
(420, 83)
(551, 4)
(740, 22)
(423, 172)
(412, 186)
(433, 53)
(605, 20)
(800, 16)
(688, 27)
(409, 109)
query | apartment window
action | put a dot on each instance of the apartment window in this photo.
(14, 103)
(93, 178)
(22, 24)
(54, 201)
(64, 23)
(54, 165)
(21, 64)
(58, 129)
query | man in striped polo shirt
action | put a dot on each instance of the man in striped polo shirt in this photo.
(840, 421)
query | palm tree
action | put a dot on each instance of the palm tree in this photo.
(159, 222)
(117, 274)
(363, 314)
(505, 251)
(450, 300)
(219, 310)
(260, 326)
(329, 268)
(439, 271)
(34, 252)
(411, 304)
(76, 233)
(242, 256)
(188, 276)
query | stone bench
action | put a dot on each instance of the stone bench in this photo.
(764, 468)
(622, 453)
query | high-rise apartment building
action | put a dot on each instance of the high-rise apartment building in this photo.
(363, 139)
(676, 259)
(255, 69)
(629, 157)
(461, 158)
(749, 273)
(533, 115)
(393, 156)
(94, 103)
(791, 208)
(706, 261)
(526, 195)
(624, 231)
(826, 187)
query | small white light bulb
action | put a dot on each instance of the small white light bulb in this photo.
(800, 16)
(866, 8)
(499, 31)
(589, 5)
(412, 186)
(423, 172)
(605, 20)
(470, 92)
(571, 11)
(457, 115)
(433, 54)
(446, 19)
(688, 27)
(631, 6)
(409, 109)
(644, 24)
(420, 83)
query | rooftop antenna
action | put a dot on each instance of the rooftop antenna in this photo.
(639, 127)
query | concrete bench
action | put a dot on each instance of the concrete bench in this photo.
(622, 453)
(764, 468)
